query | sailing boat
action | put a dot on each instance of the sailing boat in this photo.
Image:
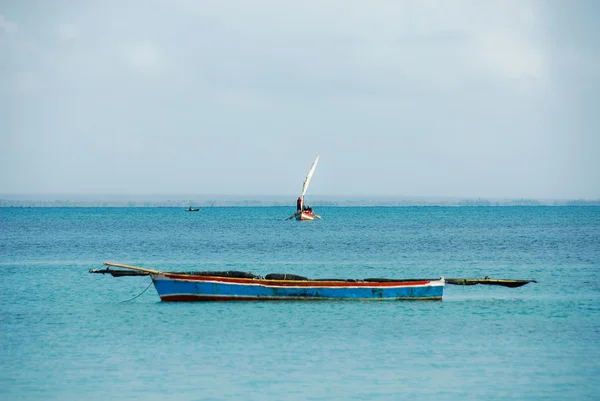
(304, 212)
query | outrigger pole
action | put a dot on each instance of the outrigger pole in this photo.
(488, 281)
(137, 271)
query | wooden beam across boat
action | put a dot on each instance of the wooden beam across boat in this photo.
(489, 281)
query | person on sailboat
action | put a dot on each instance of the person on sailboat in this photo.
(299, 204)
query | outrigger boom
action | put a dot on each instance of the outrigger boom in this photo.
(137, 271)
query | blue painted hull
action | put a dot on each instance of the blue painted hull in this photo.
(183, 288)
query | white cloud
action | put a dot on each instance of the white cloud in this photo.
(511, 57)
(68, 31)
(440, 41)
(240, 99)
(144, 58)
(426, 42)
(25, 82)
(8, 26)
(453, 79)
(509, 40)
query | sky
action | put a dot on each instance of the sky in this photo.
(456, 98)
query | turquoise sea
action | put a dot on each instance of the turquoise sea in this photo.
(66, 334)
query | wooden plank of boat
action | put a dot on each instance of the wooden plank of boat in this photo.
(489, 281)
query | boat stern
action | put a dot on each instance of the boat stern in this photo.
(305, 216)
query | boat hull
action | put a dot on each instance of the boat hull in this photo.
(304, 216)
(185, 288)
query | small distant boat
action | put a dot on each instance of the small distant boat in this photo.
(243, 286)
(304, 212)
(191, 209)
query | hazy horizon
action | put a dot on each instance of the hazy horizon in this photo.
(317, 200)
(292, 197)
(458, 99)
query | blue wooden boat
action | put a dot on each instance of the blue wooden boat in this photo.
(241, 286)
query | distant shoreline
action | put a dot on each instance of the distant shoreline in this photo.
(224, 202)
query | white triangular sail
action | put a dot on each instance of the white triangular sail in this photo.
(309, 176)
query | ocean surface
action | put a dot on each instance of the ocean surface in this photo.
(66, 334)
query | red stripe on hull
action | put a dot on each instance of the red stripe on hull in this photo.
(208, 298)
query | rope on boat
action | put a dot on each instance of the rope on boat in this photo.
(140, 294)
